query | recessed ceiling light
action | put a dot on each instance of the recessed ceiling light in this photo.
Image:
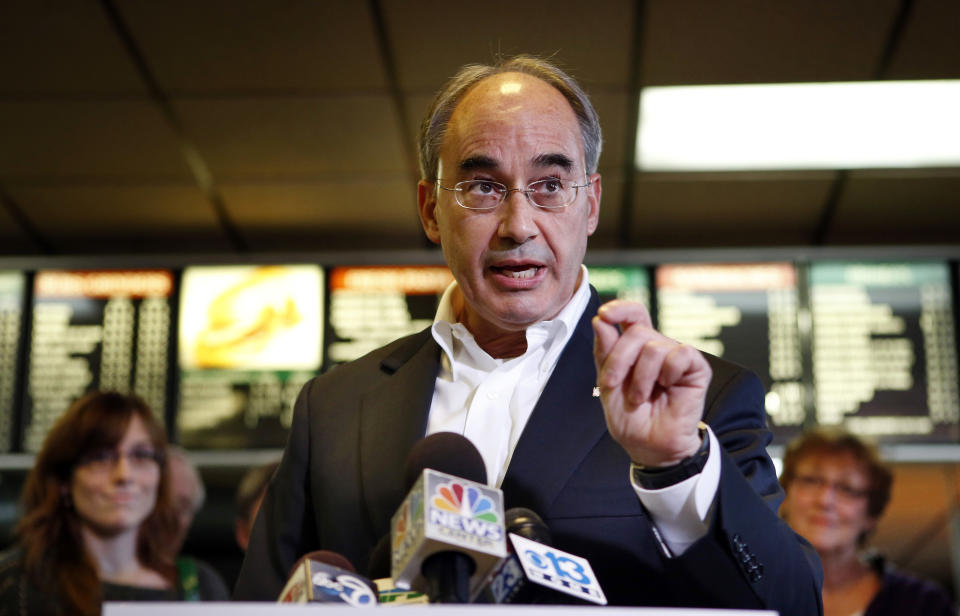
(849, 125)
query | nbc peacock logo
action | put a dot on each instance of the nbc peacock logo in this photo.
(466, 501)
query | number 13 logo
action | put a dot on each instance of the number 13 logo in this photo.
(562, 565)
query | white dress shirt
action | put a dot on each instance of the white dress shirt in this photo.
(489, 401)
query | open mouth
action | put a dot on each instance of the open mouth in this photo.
(519, 272)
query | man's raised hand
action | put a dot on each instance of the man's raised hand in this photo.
(652, 388)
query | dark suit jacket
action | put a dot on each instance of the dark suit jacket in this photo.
(341, 479)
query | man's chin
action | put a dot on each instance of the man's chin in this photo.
(508, 311)
(517, 319)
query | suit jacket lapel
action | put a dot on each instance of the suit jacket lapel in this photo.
(565, 425)
(393, 416)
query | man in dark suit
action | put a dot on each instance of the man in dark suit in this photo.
(641, 454)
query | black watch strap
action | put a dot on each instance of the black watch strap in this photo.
(659, 477)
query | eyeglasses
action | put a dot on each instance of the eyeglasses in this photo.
(104, 460)
(549, 194)
(843, 490)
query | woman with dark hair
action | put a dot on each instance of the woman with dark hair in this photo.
(97, 520)
(837, 488)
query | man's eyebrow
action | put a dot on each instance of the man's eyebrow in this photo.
(554, 160)
(478, 162)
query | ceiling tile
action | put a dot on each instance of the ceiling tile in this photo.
(347, 213)
(277, 138)
(15, 244)
(613, 109)
(57, 48)
(899, 206)
(79, 139)
(930, 45)
(12, 238)
(416, 108)
(757, 41)
(118, 218)
(217, 46)
(607, 234)
(728, 209)
(433, 39)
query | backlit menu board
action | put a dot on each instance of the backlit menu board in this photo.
(96, 329)
(12, 287)
(626, 283)
(373, 305)
(249, 338)
(884, 349)
(746, 313)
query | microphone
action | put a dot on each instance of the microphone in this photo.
(447, 452)
(448, 534)
(379, 563)
(535, 572)
(327, 577)
(526, 523)
(378, 570)
(508, 583)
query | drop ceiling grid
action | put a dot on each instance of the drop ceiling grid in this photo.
(292, 97)
(295, 137)
(754, 41)
(433, 39)
(64, 50)
(341, 206)
(728, 209)
(56, 141)
(12, 239)
(905, 207)
(229, 48)
(142, 209)
(930, 46)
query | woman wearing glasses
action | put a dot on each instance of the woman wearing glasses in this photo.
(836, 490)
(97, 520)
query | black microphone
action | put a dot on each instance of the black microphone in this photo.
(379, 563)
(327, 577)
(448, 534)
(447, 452)
(526, 523)
(508, 584)
(535, 572)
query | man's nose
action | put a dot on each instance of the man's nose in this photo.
(517, 217)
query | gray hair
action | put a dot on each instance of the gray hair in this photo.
(434, 125)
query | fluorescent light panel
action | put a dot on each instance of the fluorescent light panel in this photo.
(878, 124)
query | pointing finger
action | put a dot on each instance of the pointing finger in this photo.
(628, 313)
(605, 337)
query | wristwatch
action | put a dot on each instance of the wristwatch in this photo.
(659, 477)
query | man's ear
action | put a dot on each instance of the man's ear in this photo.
(593, 202)
(427, 205)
